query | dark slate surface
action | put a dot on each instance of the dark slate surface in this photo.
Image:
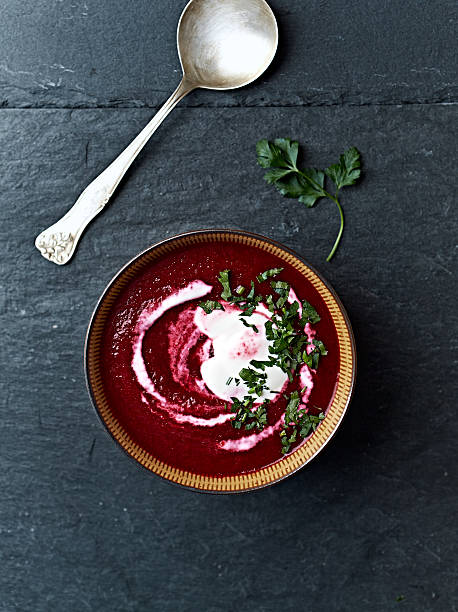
(374, 518)
(93, 53)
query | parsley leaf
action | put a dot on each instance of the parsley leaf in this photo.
(268, 274)
(223, 278)
(210, 305)
(309, 314)
(281, 153)
(280, 287)
(249, 325)
(319, 346)
(347, 171)
(280, 159)
(294, 186)
(286, 440)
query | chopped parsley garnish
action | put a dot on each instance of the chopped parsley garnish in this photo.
(309, 314)
(307, 185)
(299, 419)
(247, 415)
(289, 349)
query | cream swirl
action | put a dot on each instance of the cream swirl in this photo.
(229, 346)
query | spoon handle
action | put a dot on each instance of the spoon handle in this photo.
(58, 242)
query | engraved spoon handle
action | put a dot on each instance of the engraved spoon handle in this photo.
(58, 242)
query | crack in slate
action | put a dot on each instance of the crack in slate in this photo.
(4, 105)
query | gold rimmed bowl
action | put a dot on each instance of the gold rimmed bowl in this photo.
(170, 448)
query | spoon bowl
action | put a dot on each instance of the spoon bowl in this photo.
(222, 44)
(226, 44)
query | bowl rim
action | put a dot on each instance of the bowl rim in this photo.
(199, 232)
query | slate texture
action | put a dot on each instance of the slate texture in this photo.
(92, 53)
(371, 524)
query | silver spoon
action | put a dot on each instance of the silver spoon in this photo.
(222, 44)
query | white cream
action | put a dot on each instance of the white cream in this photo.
(234, 346)
(148, 317)
(247, 442)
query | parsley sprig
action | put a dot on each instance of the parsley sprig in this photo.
(308, 184)
(289, 349)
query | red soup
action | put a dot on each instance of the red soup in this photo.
(170, 370)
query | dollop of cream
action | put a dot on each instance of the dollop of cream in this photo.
(234, 346)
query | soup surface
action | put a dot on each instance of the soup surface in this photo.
(167, 365)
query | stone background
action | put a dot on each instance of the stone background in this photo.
(371, 524)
